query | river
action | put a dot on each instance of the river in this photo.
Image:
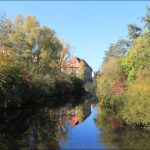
(71, 125)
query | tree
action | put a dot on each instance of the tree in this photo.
(48, 52)
(5, 30)
(125, 77)
(117, 50)
(133, 31)
(64, 55)
(82, 71)
(31, 58)
(23, 37)
(137, 60)
(37, 48)
(146, 19)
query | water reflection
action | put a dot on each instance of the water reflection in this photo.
(116, 136)
(75, 125)
(41, 127)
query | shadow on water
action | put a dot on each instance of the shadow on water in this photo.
(42, 126)
(114, 135)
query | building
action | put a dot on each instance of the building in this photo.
(73, 65)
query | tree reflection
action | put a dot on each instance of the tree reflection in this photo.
(116, 136)
(40, 127)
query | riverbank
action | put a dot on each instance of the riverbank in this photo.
(123, 83)
(31, 61)
(18, 89)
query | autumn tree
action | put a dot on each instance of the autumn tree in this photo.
(5, 30)
(24, 38)
(37, 48)
(48, 50)
(137, 61)
(125, 77)
(31, 58)
(64, 55)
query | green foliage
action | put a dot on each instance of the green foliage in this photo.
(131, 76)
(137, 58)
(82, 71)
(123, 83)
(37, 48)
(117, 50)
(31, 58)
(134, 31)
(137, 103)
(146, 19)
(111, 73)
(50, 85)
(43, 85)
(48, 53)
(103, 85)
(77, 84)
(12, 82)
(90, 87)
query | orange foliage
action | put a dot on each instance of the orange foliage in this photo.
(118, 87)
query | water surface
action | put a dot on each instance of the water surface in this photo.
(85, 134)
(75, 124)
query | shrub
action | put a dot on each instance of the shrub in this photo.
(64, 85)
(47, 85)
(77, 84)
(118, 87)
(131, 76)
(137, 103)
(11, 84)
(90, 87)
(43, 85)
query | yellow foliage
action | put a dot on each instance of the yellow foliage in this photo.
(137, 103)
(111, 67)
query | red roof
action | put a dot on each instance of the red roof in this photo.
(75, 62)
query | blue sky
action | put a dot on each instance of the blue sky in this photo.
(89, 26)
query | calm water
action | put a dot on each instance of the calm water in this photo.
(76, 125)
(85, 134)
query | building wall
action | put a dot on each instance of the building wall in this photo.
(70, 71)
(74, 67)
(75, 72)
(88, 73)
